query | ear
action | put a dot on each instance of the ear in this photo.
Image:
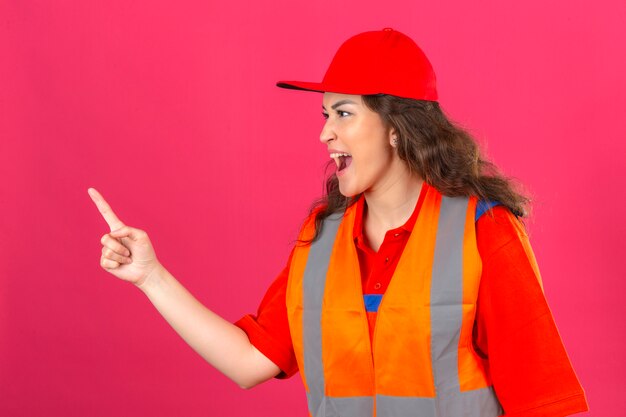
(393, 137)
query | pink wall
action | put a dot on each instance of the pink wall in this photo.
(171, 112)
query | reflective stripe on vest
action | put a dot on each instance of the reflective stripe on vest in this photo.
(421, 362)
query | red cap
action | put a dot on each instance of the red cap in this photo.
(384, 61)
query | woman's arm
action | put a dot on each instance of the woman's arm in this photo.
(127, 253)
(529, 366)
(221, 343)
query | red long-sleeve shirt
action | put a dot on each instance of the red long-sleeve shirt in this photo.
(514, 328)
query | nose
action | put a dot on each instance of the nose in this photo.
(327, 134)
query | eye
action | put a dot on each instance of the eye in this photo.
(341, 113)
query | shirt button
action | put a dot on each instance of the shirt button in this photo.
(397, 234)
(386, 259)
(377, 286)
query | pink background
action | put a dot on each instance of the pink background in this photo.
(171, 112)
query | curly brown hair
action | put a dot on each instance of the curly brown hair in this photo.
(441, 152)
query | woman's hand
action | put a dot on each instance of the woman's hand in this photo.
(126, 252)
(218, 341)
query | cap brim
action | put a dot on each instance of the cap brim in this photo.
(323, 88)
(302, 85)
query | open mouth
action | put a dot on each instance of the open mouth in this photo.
(343, 160)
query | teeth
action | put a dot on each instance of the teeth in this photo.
(338, 154)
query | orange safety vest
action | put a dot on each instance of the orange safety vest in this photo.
(421, 361)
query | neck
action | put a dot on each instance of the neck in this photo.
(390, 205)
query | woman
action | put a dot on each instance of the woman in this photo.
(412, 213)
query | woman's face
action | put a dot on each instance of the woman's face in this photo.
(358, 142)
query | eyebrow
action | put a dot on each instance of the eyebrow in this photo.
(339, 103)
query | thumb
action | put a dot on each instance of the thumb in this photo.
(126, 231)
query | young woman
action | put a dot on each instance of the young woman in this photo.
(412, 290)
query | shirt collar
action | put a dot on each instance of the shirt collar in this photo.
(357, 232)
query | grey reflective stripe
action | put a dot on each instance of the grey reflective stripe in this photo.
(389, 406)
(446, 294)
(342, 406)
(476, 403)
(313, 284)
(446, 319)
(446, 315)
(480, 402)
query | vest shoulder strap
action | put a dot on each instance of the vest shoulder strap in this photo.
(483, 205)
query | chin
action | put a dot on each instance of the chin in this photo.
(349, 191)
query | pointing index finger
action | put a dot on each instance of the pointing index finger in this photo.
(112, 220)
